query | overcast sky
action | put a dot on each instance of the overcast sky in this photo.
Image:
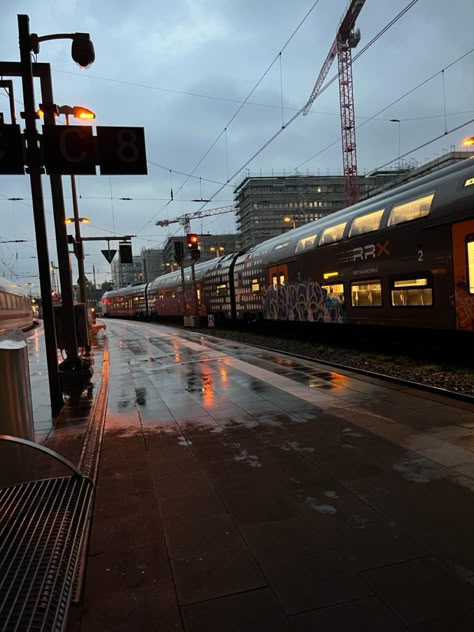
(182, 68)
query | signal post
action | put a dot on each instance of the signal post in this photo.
(193, 245)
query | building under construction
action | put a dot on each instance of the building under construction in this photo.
(268, 205)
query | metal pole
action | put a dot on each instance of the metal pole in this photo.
(195, 294)
(77, 235)
(33, 163)
(183, 289)
(67, 298)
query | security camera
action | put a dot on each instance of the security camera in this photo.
(82, 50)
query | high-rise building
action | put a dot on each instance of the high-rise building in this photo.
(152, 263)
(269, 205)
(124, 274)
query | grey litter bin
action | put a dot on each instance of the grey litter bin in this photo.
(16, 409)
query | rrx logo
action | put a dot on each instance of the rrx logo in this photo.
(371, 251)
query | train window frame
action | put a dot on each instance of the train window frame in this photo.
(361, 282)
(378, 214)
(420, 284)
(332, 234)
(470, 262)
(330, 289)
(255, 285)
(307, 243)
(222, 290)
(410, 210)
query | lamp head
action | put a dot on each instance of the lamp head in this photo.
(82, 50)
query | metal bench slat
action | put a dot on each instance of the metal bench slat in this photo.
(41, 529)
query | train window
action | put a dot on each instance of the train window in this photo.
(412, 293)
(366, 293)
(282, 278)
(334, 294)
(470, 263)
(274, 281)
(366, 223)
(221, 289)
(306, 243)
(3, 301)
(332, 234)
(255, 286)
(410, 210)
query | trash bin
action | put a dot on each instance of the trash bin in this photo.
(16, 417)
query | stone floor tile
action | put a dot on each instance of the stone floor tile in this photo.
(215, 574)
(252, 611)
(420, 590)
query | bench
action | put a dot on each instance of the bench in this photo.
(42, 529)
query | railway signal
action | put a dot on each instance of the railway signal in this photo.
(193, 245)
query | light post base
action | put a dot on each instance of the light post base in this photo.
(75, 373)
(191, 321)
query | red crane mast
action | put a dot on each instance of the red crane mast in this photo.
(346, 39)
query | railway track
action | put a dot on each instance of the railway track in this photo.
(437, 378)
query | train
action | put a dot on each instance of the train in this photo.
(401, 259)
(15, 307)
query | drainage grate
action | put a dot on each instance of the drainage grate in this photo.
(41, 530)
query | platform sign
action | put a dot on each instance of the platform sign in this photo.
(125, 251)
(69, 150)
(74, 150)
(121, 151)
(11, 150)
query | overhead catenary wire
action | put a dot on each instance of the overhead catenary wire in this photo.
(297, 114)
(206, 153)
(397, 100)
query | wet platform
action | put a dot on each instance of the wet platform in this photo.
(65, 434)
(243, 490)
(240, 489)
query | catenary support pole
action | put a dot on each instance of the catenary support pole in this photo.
(33, 163)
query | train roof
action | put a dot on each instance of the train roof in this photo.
(200, 269)
(450, 187)
(455, 177)
(11, 288)
(129, 289)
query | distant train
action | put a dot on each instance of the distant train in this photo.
(15, 307)
(404, 258)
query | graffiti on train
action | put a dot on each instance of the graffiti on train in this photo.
(302, 302)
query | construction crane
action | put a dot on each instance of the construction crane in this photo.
(346, 39)
(185, 219)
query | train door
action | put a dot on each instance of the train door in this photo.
(278, 276)
(463, 269)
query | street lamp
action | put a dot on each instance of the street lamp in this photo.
(289, 219)
(399, 136)
(83, 54)
(81, 220)
(468, 142)
(82, 113)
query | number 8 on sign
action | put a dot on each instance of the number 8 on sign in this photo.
(121, 151)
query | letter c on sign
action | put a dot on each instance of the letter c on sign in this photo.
(71, 139)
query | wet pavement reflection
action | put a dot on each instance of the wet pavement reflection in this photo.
(241, 489)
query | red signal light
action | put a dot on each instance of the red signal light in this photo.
(193, 241)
